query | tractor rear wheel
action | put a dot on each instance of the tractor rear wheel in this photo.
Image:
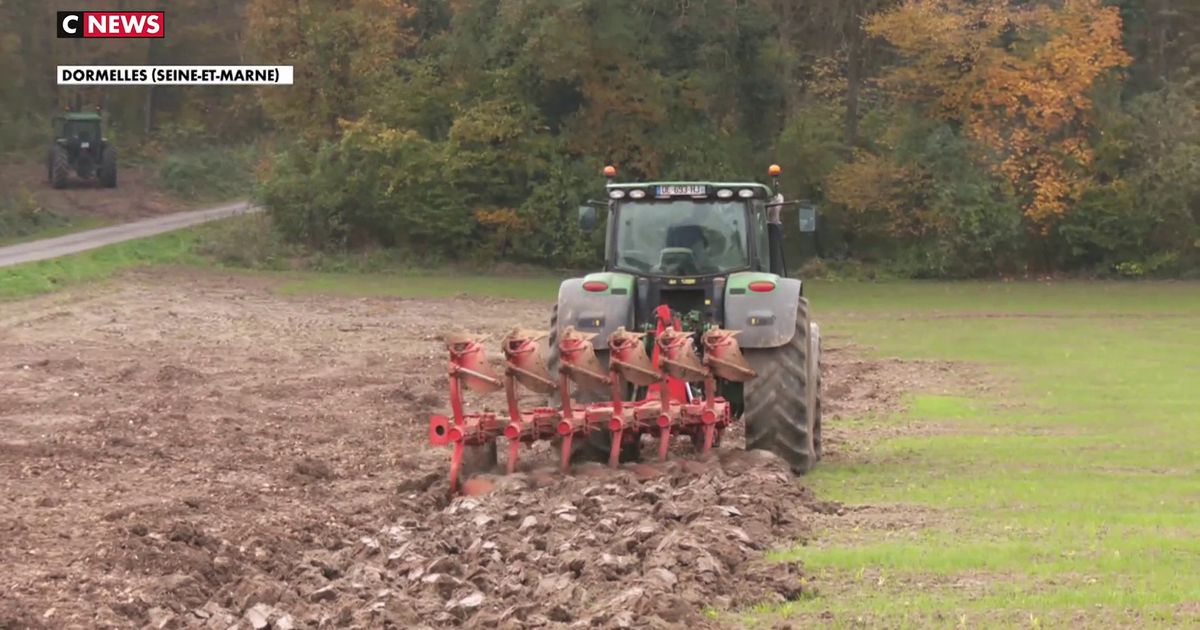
(108, 167)
(60, 167)
(780, 412)
(596, 445)
(816, 374)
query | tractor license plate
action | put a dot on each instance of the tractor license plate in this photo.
(83, 145)
(681, 191)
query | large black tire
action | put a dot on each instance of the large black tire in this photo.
(108, 167)
(816, 375)
(60, 167)
(780, 402)
(596, 446)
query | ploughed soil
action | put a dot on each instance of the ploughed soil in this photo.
(137, 195)
(185, 449)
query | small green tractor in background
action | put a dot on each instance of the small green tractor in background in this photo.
(79, 146)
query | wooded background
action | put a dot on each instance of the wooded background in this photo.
(940, 138)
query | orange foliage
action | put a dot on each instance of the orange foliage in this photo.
(504, 220)
(1016, 76)
(877, 191)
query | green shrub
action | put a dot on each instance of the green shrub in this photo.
(24, 135)
(22, 215)
(209, 172)
(247, 241)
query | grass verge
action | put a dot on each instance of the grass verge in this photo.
(20, 281)
(238, 245)
(70, 226)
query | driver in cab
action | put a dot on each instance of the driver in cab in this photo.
(692, 246)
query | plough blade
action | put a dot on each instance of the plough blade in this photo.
(525, 360)
(723, 354)
(579, 361)
(470, 360)
(627, 355)
(678, 356)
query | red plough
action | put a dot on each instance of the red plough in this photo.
(701, 417)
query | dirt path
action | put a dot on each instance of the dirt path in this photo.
(138, 196)
(185, 449)
(91, 239)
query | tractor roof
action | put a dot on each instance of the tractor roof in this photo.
(694, 190)
(83, 116)
(708, 184)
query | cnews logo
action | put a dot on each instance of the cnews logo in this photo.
(73, 24)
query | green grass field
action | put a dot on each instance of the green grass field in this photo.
(1066, 496)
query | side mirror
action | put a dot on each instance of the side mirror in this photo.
(808, 217)
(587, 218)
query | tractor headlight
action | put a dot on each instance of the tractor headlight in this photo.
(637, 193)
(616, 194)
(724, 193)
(745, 193)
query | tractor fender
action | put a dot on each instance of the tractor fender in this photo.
(766, 320)
(600, 312)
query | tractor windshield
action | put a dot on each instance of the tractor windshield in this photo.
(682, 237)
(81, 130)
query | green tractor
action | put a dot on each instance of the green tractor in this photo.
(711, 253)
(80, 146)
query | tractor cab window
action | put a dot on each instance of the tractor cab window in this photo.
(682, 237)
(764, 243)
(82, 131)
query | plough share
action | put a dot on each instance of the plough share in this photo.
(669, 406)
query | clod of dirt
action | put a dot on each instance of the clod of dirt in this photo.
(62, 365)
(323, 594)
(259, 616)
(174, 374)
(311, 468)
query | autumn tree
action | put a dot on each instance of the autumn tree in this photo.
(1017, 76)
(339, 50)
(939, 137)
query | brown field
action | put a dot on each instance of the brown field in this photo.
(186, 449)
(138, 195)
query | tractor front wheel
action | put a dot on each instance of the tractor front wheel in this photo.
(780, 403)
(60, 167)
(108, 168)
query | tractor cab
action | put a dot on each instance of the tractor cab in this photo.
(686, 229)
(682, 243)
(78, 130)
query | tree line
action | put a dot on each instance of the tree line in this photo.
(940, 138)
